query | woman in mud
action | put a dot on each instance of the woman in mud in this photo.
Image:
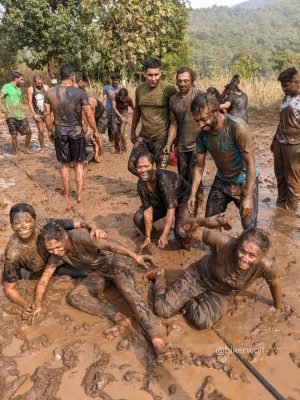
(205, 290)
(22, 258)
(100, 260)
(236, 102)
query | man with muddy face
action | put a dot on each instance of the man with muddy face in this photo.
(163, 194)
(205, 291)
(23, 259)
(102, 261)
(36, 96)
(183, 127)
(152, 107)
(229, 142)
(68, 103)
(14, 113)
(286, 142)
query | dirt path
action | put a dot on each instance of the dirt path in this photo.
(65, 356)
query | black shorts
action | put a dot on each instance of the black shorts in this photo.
(16, 126)
(69, 145)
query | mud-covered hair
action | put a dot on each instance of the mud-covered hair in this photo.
(182, 70)
(287, 75)
(146, 154)
(52, 231)
(254, 235)
(21, 208)
(203, 100)
(151, 63)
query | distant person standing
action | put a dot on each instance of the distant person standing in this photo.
(109, 92)
(67, 103)
(236, 102)
(152, 108)
(14, 113)
(36, 96)
(183, 128)
(286, 142)
(121, 103)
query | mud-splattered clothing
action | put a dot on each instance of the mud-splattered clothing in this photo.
(88, 296)
(238, 107)
(171, 191)
(205, 290)
(22, 260)
(13, 101)
(154, 106)
(286, 150)
(16, 126)
(123, 104)
(120, 132)
(101, 117)
(89, 147)
(187, 127)
(38, 98)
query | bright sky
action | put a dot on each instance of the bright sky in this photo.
(210, 3)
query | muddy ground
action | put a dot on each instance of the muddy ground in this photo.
(65, 355)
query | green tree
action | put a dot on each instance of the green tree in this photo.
(246, 66)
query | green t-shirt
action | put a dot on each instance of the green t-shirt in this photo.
(187, 128)
(154, 106)
(13, 101)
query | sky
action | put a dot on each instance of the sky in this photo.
(209, 3)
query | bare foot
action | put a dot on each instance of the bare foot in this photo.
(27, 151)
(122, 323)
(153, 274)
(42, 150)
(161, 350)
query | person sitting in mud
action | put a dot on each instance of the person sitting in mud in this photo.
(22, 258)
(205, 291)
(163, 194)
(101, 260)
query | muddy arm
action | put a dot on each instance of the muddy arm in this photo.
(275, 289)
(11, 292)
(43, 283)
(95, 233)
(135, 120)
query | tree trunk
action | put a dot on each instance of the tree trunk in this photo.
(52, 68)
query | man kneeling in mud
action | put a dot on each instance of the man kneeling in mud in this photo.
(100, 261)
(205, 290)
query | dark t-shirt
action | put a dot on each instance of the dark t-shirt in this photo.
(239, 103)
(187, 128)
(23, 260)
(219, 270)
(288, 131)
(171, 191)
(66, 102)
(122, 105)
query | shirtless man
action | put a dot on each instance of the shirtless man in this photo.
(101, 260)
(36, 96)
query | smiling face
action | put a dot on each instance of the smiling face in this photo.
(184, 82)
(58, 248)
(206, 119)
(145, 169)
(23, 225)
(248, 254)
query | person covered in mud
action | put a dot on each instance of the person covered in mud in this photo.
(36, 96)
(14, 113)
(22, 258)
(92, 150)
(152, 107)
(100, 260)
(286, 142)
(163, 194)
(109, 92)
(120, 104)
(205, 291)
(236, 102)
(229, 142)
(68, 103)
(183, 129)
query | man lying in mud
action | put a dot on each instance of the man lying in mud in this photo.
(163, 194)
(100, 260)
(205, 291)
(22, 258)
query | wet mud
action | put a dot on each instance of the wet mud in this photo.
(65, 354)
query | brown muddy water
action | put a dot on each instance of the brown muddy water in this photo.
(65, 355)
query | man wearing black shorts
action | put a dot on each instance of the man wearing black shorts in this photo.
(67, 103)
(14, 113)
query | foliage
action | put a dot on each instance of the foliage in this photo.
(246, 66)
(96, 35)
(261, 29)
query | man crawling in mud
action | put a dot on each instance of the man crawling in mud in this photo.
(22, 258)
(205, 291)
(100, 260)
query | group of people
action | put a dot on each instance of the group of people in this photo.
(193, 121)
